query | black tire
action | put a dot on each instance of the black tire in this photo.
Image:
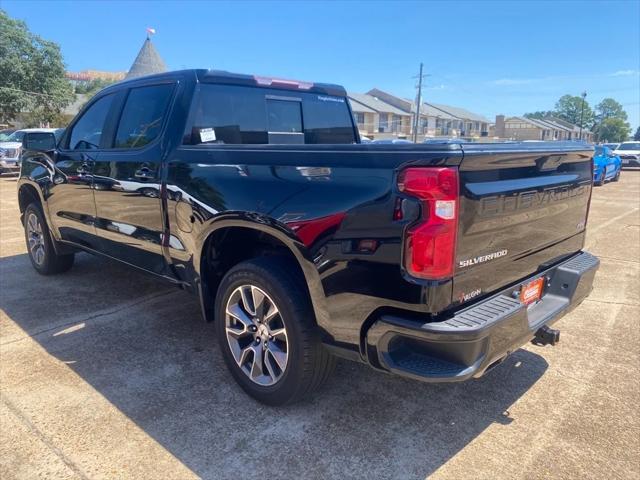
(617, 177)
(308, 364)
(45, 260)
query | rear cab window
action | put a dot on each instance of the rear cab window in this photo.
(241, 115)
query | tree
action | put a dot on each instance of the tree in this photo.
(540, 114)
(32, 73)
(612, 130)
(86, 91)
(636, 136)
(569, 108)
(609, 108)
(610, 121)
(93, 86)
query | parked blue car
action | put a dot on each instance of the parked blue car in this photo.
(606, 165)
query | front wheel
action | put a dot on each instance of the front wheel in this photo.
(267, 333)
(42, 253)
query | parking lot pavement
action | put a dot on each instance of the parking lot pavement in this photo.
(107, 373)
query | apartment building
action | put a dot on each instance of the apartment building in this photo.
(469, 124)
(545, 129)
(575, 133)
(438, 119)
(378, 119)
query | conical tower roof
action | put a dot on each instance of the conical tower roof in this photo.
(147, 62)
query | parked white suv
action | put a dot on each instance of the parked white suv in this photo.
(11, 148)
(629, 153)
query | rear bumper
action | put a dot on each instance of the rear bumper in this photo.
(481, 335)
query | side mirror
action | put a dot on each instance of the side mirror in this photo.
(39, 141)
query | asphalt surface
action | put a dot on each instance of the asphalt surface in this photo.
(107, 373)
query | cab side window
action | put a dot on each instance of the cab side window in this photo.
(229, 115)
(234, 115)
(87, 132)
(142, 116)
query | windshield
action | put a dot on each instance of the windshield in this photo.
(630, 146)
(16, 136)
(599, 151)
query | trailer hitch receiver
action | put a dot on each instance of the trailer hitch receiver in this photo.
(546, 336)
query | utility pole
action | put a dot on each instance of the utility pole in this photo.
(584, 95)
(418, 102)
(416, 123)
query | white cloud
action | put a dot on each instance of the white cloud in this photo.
(624, 73)
(512, 81)
(437, 87)
(508, 81)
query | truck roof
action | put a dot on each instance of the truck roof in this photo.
(230, 78)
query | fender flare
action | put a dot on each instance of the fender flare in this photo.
(26, 182)
(280, 232)
(31, 161)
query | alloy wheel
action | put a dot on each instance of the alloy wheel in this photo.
(35, 238)
(256, 335)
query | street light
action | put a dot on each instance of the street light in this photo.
(584, 95)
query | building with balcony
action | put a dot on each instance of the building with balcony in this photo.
(436, 119)
(378, 119)
(543, 129)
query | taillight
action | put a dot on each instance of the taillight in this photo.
(269, 81)
(430, 245)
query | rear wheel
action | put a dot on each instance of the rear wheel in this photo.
(598, 182)
(617, 177)
(266, 330)
(40, 244)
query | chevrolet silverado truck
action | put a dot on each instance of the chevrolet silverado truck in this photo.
(431, 261)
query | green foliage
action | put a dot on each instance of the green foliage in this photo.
(611, 122)
(608, 121)
(609, 108)
(540, 114)
(34, 119)
(93, 86)
(636, 136)
(32, 73)
(89, 89)
(612, 130)
(570, 108)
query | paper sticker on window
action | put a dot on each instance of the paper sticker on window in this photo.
(207, 135)
(322, 98)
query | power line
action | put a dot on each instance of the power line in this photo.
(26, 91)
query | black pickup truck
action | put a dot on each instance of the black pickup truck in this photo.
(429, 261)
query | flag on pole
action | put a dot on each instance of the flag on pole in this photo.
(151, 31)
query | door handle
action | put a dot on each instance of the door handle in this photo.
(144, 173)
(83, 169)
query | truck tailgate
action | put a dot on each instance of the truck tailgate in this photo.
(520, 211)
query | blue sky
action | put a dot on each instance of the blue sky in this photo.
(490, 57)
